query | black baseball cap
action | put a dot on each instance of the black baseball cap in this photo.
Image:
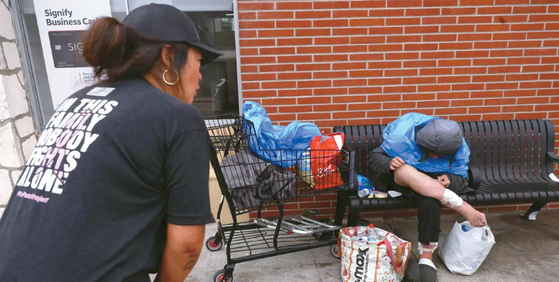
(165, 23)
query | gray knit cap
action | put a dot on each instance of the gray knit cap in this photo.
(440, 137)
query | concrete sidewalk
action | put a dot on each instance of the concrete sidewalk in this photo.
(525, 251)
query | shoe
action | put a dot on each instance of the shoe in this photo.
(412, 271)
(427, 270)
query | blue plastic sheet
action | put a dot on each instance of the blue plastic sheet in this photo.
(275, 143)
(399, 141)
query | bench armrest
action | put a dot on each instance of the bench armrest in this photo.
(474, 177)
(553, 157)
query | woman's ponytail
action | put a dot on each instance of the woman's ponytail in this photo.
(104, 45)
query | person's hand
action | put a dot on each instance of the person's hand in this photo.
(396, 163)
(443, 179)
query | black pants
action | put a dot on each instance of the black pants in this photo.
(428, 214)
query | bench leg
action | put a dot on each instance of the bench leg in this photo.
(532, 212)
(353, 216)
(341, 204)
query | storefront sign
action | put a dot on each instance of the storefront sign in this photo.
(62, 24)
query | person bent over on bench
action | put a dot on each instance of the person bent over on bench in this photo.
(426, 157)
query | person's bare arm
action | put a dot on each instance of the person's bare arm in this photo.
(184, 244)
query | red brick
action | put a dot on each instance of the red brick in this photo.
(540, 84)
(455, 46)
(549, 76)
(421, 29)
(350, 13)
(331, 5)
(526, 27)
(439, 3)
(258, 77)
(330, 58)
(368, 4)
(245, 68)
(329, 40)
(472, 54)
(423, 12)
(453, 95)
(277, 50)
(350, 49)
(439, 20)
(257, 60)
(525, 44)
(504, 69)
(403, 21)
(313, 14)
(314, 49)
(399, 89)
(294, 75)
(523, 61)
(364, 107)
(549, 92)
(349, 115)
(385, 47)
(490, 45)
(476, 2)
(543, 35)
(247, 33)
(540, 52)
(279, 101)
(295, 109)
(518, 77)
(365, 73)
(433, 88)
(550, 60)
(257, 42)
(529, 9)
(313, 116)
(276, 68)
(451, 111)
(249, 51)
(401, 56)
(552, 26)
(486, 94)
(276, 33)
(349, 66)
(247, 16)
(542, 68)
(313, 32)
(437, 55)
(295, 59)
(492, 27)
(350, 82)
(514, 109)
(506, 85)
(533, 100)
(279, 84)
(433, 104)
(384, 81)
(494, 10)
(458, 28)
(330, 74)
(275, 15)
(450, 63)
(293, 5)
(500, 101)
(544, 18)
(420, 80)
(330, 23)
(506, 53)
(510, 36)
(474, 36)
(471, 70)
(386, 13)
(349, 31)
(416, 97)
(420, 63)
(531, 115)
(382, 113)
(553, 9)
(455, 79)
(435, 71)
(365, 39)
(330, 91)
(293, 24)
(294, 41)
(365, 90)
(498, 116)
(314, 83)
(519, 93)
(309, 67)
(384, 65)
(469, 86)
(420, 46)
(398, 105)
(486, 62)
(366, 57)
(510, 19)
(294, 92)
(511, 2)
(475, 19)
(386, 30)
(256, 6)
(459, 11)
(440, 37)
(481, 110)
(350, 99)
(256, 24)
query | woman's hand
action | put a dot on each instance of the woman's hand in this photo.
(396, 163)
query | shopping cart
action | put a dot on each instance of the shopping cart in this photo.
(251, 184)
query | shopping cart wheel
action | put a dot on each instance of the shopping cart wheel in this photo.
(334, 250)
(213, 244)
(323, 235)
(219, 276)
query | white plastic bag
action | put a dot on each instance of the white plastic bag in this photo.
(464, 251)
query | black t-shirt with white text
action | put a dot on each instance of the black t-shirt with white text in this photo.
(113, 166)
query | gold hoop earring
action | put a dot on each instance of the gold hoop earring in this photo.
(171, 83)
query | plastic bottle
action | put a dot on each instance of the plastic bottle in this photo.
(464, 228)
(363, 193)
(373, 235)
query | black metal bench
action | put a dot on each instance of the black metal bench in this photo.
(511, 162)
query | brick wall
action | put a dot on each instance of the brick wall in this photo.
(368, 62)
